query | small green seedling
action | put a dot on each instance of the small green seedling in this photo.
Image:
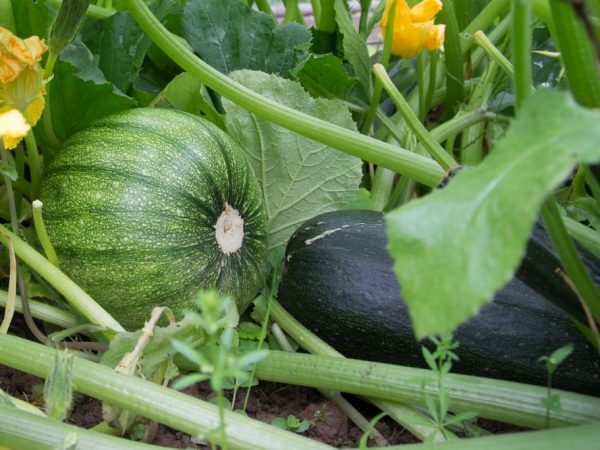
(291, 423)
(552, 402)
(440, 361)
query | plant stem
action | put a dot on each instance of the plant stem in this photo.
(9, 309)
(327, 19)
(264, 6)
(453, 59)
(34, 163)
(510, 402)
(425, 138)
(485, 18)
(577, 54)
(23, 430)
(589, 238)
(93, 11)
(79, 299)
(415, 166)
(521, 48)
(408, 417)
(160, 404)
(484, 42)
(40, 229)
(583, 437)
(42, 311)
(569, 257)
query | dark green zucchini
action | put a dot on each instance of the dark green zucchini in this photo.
(338, 281)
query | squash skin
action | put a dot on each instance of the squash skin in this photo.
(341, 286)
(130, 205)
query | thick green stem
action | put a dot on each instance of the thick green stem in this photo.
(521, 47)
(577, 54)
(34, 163)
(26, 431)
(93, 11)
(402, 161)
(157, 403)
(583, 437)
(453, 60)
(586, 288)
(78, 298)
(42, 311)
(516, 403)
(408, 417)
(425, 138)
(327, 19)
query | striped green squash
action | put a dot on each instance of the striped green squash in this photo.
(147, 206)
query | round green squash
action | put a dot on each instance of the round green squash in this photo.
(147, 206)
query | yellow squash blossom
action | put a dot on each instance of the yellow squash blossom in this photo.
(22, 86)
(13, 127)
(414, 30)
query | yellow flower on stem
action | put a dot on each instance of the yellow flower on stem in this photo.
(414, 30)
(13, 127)
(22, 86)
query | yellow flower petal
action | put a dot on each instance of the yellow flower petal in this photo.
(17, 54)
(414, 30)
(13, 128)
(425, 10)
(435, 37)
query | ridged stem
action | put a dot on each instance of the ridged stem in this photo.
(423, 135)
(421, 169)
(25, 431)
(315, 345)
(521, 49)
(42, 311)
(453, 60)
(484, 42)
(157, 403)
(577, 54)
(516, 403)
(583, 437)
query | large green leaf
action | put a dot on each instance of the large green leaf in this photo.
(79, 92)
(454, 248)
(229, 36)
(33, 18)
(120, 46)
(300, 178)
(355, 48)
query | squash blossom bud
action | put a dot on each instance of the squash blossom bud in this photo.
(414, 30)
(67, 24)
(22, 86)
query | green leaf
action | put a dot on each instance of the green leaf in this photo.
(9, 170)
(355, 48)
(33, 18)
(229, 36)
(79, 92)
(120, 46)
(456, 247)
(325, 76)
(187, 93)
(279, 422)
(300, 178)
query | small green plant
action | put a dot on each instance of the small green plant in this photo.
(215, 360)
(440, 361)
(291, 423)
(552, 401)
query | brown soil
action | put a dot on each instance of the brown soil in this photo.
(267, 401)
